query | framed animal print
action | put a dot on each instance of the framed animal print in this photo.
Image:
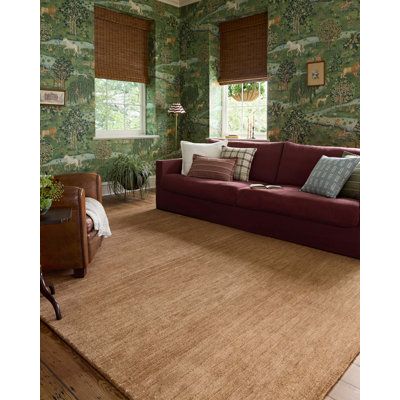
(316, 73)
(52, 97)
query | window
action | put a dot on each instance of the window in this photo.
(120, 109)
(244, 110)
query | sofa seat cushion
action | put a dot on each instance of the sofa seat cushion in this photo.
(291, 202)
(206, 189)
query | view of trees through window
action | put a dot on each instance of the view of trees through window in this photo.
(245, 110)
(119, 105)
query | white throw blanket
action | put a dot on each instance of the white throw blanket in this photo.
(96, 211)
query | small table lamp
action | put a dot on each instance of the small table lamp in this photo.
(176, 108)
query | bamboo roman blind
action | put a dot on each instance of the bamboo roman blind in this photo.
(121, 46)
(243, 49)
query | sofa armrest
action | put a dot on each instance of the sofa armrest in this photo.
(89, 181)
(164, 167)
(65, 245)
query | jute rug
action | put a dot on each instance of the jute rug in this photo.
(178, 308)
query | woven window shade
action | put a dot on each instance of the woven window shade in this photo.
(121, 46)
(243, 49)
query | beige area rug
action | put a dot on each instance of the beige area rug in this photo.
(178, 308)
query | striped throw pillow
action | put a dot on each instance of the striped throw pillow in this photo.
(351, 188)
(244, 158)
(220, 169)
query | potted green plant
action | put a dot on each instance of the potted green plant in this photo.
(128, 173)
(251, 91)
(50, 190)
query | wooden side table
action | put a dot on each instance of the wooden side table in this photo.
(53, 216)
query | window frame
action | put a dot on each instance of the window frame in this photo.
(127, 133)
(225, 117)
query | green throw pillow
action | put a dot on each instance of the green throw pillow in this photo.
(351, 188)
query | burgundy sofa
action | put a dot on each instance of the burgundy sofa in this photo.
(289, 214)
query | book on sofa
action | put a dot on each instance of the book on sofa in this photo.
(262, 186)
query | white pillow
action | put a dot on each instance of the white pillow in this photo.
(202, 149)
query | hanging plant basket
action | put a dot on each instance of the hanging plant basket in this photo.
(250, 90)
(248, 95)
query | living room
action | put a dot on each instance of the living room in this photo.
(201, 234)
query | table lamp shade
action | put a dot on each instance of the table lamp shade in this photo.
(176, 108)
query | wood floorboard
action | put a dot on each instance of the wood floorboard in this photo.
(83, 381)
(52, 388)
(357, 360)
(344, 391)
(352, 376)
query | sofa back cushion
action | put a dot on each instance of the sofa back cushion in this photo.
(265, 163)
(298, 160)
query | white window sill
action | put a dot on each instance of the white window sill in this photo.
(110, 136)
(258, 139)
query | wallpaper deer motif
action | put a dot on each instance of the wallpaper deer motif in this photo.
(184, 67)
(67, 62)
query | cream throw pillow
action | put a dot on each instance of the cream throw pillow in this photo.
(202, 149)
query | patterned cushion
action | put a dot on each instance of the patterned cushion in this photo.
(329, 175)
(351, 188)
(244, 158)
(220, 169)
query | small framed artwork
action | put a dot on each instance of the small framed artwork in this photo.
(52, 97)
(316, 73)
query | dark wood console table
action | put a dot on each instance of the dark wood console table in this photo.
(53, 216)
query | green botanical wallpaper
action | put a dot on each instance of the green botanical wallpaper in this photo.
(184, 67)
(299, 31)
(67, 62)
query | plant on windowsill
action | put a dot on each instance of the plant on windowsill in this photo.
(127, 174)
(251, 91)
(50, 190)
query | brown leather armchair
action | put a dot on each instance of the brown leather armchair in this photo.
(72, 245)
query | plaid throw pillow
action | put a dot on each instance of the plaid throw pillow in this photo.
(244, 157)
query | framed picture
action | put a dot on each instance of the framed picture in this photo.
(52, 97)
(316, 73)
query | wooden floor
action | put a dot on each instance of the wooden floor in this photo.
(64, 375)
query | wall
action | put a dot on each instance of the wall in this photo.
(185, 68)
(299, 31)
(67, 62)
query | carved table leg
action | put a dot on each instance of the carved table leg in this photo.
(51, 287)
(44, 290)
